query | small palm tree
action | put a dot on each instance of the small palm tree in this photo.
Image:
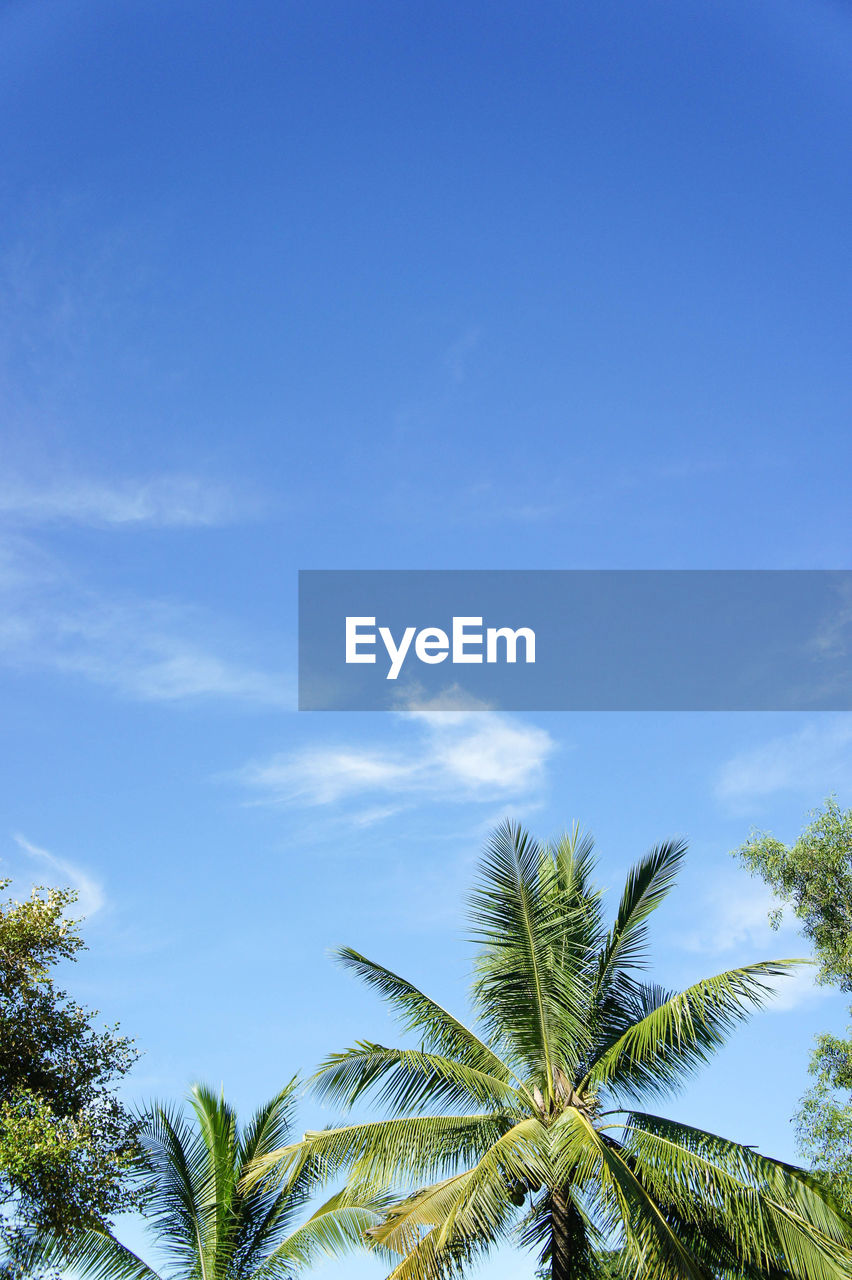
(530, 1122)
(206, 1224)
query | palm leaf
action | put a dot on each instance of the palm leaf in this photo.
(518, 918)
(95, 1254)
(439, 1030)
(382, 1153)
(177, 1159)
(758, 1215)
(213, 1221)
(218, 1225)
(647, 885)
(334, 1229)
(269, 1128)
(693, 1160)
(676, 1036)
(410, 1078)
(648, 1235)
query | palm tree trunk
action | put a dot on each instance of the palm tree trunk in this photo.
(561, 1223)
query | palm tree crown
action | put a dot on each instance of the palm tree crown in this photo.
(530, 1122)
(206, 1223)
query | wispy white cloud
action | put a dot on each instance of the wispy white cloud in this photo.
(459, 755)
(733, 927)
(735, 911)
(815, 760)
(51, 617)
(484, 751)
(370, 817)
(181, 671)
(324, 775)
(796, 988)
(23, 564)
(90, 893)
(159, 667)
(145, 649)
(160, 501)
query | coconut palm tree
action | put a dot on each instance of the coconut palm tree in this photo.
(531, 1122)
(206, 1225)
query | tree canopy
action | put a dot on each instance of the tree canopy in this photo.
(813, 876)
(66, 1141)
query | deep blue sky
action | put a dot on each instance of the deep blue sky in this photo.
(288, 285)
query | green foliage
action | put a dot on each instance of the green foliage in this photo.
(205, 1220)
(609, 1264)
(824, 1122)
(606, 1264)
(66, 1143)
(528, 1123)
(814, 878)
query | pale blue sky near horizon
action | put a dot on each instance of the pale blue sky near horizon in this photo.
(399, 286)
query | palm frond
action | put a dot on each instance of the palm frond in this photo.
(744, 1214)
(386, 1153)
(518, 918)
(429, 1260)
(263, 1211)
(218, 1224)
(178, 1167)
(648, 1235)
(660, 1050)
(485, 1202)
(574, 862)
(95, 1254)
(745, 1190)
(476, 1204)
(337, 1227)
(440, 1031)
(410, 1078)
(269, 1128)
(647, 885)
(406, 1222)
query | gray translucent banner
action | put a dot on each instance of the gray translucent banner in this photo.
(576, 640)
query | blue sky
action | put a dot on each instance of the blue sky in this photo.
(399, 286)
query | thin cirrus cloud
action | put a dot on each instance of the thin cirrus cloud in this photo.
(90, 893)
(734, 928)
(736, 917)
(142, 649)
(159, 667)
(451, 755)
(814, 760)
(160, 502)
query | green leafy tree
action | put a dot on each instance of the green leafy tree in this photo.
(66, 1142)
(605, 1264)
(527, 1124)
(204, 1222)
(813, 876)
